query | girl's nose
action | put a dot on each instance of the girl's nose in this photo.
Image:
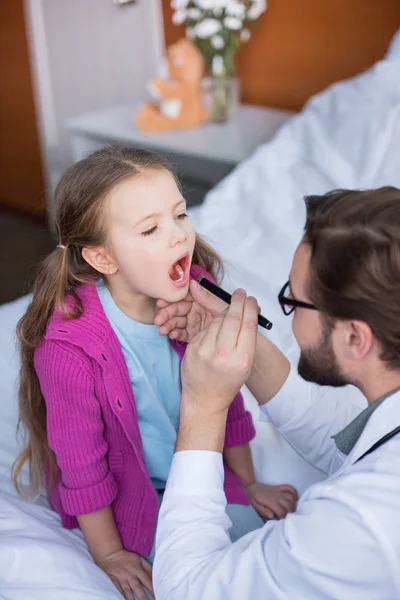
(178, 234)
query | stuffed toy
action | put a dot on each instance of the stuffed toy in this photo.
(177, 98)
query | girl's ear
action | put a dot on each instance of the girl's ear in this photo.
(98, 258)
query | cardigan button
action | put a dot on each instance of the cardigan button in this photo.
(119, 403)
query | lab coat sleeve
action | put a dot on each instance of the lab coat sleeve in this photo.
(324, 550)
(308, 415)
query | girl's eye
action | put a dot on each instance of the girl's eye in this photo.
(149, 231)
(182, 216)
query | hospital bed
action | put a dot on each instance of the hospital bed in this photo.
(348, 136)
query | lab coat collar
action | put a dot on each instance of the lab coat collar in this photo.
(382, 421)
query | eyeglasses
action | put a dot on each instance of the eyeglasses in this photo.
(289, 304)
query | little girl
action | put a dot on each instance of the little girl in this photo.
(100, 388)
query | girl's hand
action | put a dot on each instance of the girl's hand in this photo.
(272, 501)
(185, 319)
(129, 572)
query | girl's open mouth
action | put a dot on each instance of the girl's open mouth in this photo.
(179, 272)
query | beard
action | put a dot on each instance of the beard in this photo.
(319, 365)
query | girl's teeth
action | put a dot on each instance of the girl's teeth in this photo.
(180, 271)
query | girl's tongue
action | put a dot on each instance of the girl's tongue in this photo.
(177, 271)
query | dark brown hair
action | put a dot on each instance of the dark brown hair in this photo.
(355, 261)
(79, 221)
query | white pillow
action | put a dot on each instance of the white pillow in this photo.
(9, 374)
(393, 52)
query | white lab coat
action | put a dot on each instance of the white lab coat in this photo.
(343, 542)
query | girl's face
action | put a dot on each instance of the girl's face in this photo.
(151, 237)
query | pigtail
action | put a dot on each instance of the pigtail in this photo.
(50, 291)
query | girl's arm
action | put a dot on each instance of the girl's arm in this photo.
(270, 501)
(75, 431)
(240, 462)
(129, 571)
(101, 533)
(75, 428)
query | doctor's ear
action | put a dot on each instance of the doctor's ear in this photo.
(98, 258)
(358, 339)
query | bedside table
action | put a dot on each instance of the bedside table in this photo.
(201, 155)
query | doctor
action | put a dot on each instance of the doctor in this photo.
(343, 542)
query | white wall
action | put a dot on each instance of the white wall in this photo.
(88, 55)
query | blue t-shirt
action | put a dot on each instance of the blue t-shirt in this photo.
(154, 371)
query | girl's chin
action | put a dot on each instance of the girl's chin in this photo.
(175, 294)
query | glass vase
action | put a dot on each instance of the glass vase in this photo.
(221, 97)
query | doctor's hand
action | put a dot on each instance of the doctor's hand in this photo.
(183, 320)
(219, 359)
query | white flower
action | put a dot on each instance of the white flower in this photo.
(218, 67)
(255, 11)
(217, 42)
(233, 23)
(179, 17)
(207, 28)
(234, 9)
(205, 4)
(194, 14)
(216, 6)
(220, 4)
(245, 35)
(178, 4)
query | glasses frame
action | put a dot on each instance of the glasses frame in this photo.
(284, 301)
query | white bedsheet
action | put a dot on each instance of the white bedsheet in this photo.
(348, 136)
(39, 560)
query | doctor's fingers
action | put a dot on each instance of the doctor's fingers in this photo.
(175, 309)
(204, 343)
(239, 326)
(231, 323)
(171, 324)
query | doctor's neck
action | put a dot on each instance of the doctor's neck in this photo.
(378, 382)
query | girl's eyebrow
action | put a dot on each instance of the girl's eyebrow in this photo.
(158, 214)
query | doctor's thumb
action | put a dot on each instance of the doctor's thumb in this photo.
(206, 299)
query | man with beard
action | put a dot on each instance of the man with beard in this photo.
(343, 541)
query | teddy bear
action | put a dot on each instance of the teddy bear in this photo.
(177, 99)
